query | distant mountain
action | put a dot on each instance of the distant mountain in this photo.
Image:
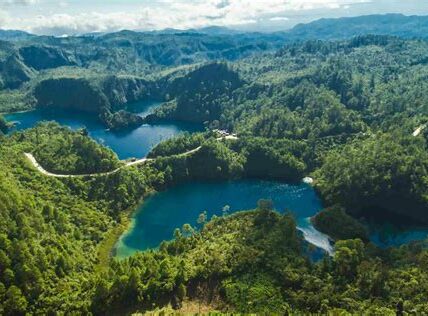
(217, 30)
(388, 24)
(14, 35)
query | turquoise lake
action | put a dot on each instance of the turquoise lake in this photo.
(133, 143)
(156, 219)
(160, 214)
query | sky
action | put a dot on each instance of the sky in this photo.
(72, 17)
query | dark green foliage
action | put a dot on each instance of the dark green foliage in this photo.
(51, 229)
(48, 238)
(4, 126)
(199, 95)
(71, 93)
(212, 161)
(61, 150)
(268, 158)
(14, 72)
(101, 96)
(44, 57)
(177, 145)
(252, 261)
(388, 24)
(344, 111)
(334, 222)
(215, 255)
(383, 173)
(122, 120)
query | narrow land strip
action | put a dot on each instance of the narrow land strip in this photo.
(141, 161)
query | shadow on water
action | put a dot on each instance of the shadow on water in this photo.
(390, 229)
(128, 143)
(156, 219)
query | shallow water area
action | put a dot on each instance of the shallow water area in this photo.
(156, 219)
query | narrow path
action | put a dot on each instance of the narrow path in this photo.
(36, 165)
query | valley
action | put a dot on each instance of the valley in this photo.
(248, 172)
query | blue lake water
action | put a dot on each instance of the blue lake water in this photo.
(157, 218)
(391, 235)
(132, 143)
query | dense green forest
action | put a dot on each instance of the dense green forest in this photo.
(54, 231)
(63, 151)
(344, 112)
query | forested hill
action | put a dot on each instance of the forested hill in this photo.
(342, 28)
(336, 103)
(110, 70)
(343, 112)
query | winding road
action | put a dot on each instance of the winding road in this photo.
(36, 165)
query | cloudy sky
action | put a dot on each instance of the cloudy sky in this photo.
(67, 17)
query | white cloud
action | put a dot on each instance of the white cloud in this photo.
(279, 18)
(169, 14)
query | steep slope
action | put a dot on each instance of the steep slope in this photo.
(44, 57)
(103, 96)
(197, 95)
(14, 72)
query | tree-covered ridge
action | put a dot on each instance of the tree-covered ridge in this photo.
(351, 75)
(45, 228)
(198, 96)
(52, 230)
(385, 173)
(343, 112)
(349, 107)
(386, 24)
(61, 150)
(223, 253)
(254, 262)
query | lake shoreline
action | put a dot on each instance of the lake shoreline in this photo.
(107, 248)
(156, 211)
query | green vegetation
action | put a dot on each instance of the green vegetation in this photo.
(122, 120)
(61, 150)
(334, 222)
(52, 229)
(346, 110)
(343, 112)
(4, 126)
(273, 159)
(48, 237)
(178, 145)
(384, 173)
(252, 261)
(213, 161)
(199, 95)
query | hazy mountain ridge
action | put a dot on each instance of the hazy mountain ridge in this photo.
(385, 24)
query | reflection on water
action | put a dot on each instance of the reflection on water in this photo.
(130, 143)
(160, 214)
